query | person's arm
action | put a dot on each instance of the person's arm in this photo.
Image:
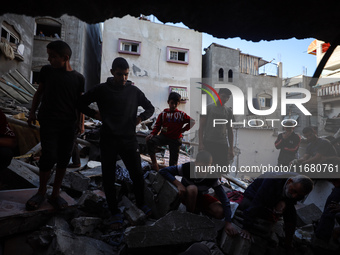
(85, 100)
(295, 146)
(35, 104)
(231, 153)
(157, 127)
(229, 228)
(188, 123)
(279, 142)
(147, 106)
(310, 160)
(203, 121)
(289, 218)
(169, 174)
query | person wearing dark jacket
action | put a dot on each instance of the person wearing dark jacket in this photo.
(118, 100)
(272, 195)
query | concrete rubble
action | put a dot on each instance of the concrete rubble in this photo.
(83, 227)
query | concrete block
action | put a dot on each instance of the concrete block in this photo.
(167, 198)
(66, 243)
(234, 245)
(319, 194)
(76, 181)
(158, 182)
(85, 225)
(306, 215)
(174, 228)
(13, 215)
(134, 215)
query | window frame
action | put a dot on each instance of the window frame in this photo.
(170, 49)
(122, 42)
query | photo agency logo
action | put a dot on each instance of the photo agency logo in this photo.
(239, 103)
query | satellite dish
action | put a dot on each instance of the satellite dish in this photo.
(21, 49)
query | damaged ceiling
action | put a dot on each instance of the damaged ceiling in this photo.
(250, 20)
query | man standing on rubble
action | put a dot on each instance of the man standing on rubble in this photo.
(270, 196)
(118, 100)
(59, 90)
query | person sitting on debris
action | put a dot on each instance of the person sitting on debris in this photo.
(172, 123)
(317, 150)
(193, 190)
(272, 195)
(288, 143)
(7, 142)
(118, 100)
(326, 223)
(59, 90)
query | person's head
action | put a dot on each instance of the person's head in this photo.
(288, 126)
(224, 94)
(59, 53)
(309, 133)
(203, 158)
(174, 100)
(297, 187)
(120, 70)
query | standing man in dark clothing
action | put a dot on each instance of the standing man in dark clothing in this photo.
(59, 90)
(118, 101)
(288, 143)
(219, 139)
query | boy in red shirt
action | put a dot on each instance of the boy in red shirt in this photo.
(171, 123)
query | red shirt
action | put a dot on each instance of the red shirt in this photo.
(171, 123)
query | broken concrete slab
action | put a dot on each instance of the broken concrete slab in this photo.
(85, 225)
(92, 172)
(13, 215)
(23, 174)
(234, 245)
(174, 228)
(133, 214)
(165, 200)
(319, 194)
(65, 243)
(75, 181)
(307, 214)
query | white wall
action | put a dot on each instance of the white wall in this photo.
(156, 73)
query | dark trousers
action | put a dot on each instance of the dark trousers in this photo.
(326, 224)
(218, 151)
(174, 146)
(128, 150)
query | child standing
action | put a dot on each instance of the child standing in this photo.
(172, 123)
(118, 101)
(59, 90)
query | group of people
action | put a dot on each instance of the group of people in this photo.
(61, 99)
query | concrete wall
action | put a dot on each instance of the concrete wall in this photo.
(25, 27)
(84, 40)
(255, 147)
(156, 74)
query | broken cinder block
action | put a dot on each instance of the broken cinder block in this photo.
(306, 215)
(234, 245)
(174, 228)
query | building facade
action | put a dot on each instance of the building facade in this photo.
(162, 58)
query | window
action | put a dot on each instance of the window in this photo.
(177, 55)
(9, 33)
(129, 46)
(220, 74)
(48, 28)
(230, 75)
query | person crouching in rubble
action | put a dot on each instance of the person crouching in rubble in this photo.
(193, 191)
(59, 90)
(118, 100)
(270, 196)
